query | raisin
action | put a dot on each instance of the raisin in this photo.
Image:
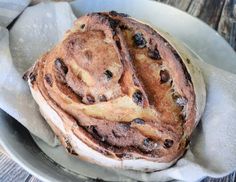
(32, 77)
(123, 27)
(139, 40)
(60, 66)
(182, 117)
(138, 121)
(102, 98)
(138, 97)
(118, 44)
(82, 26)
(48, 79)
(25, 76)
(154, 54)
(113, 23)
(181, 101)
(90, 99)
(164, 74)
(168, 143)
(108, 74)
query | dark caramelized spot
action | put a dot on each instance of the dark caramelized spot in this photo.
(139, 40)
(32, 77)
(102, 98)
(114, 13)
(164, 74)
(118, 44)
(113, 23)
(108, 74)
(69, 147)
(123, 155)
(138, 121)
(187, 142)
(90, 99)
(168, 143)
(94, 132)
(154, 54)
(175, 95)
(82, 26)
(48, 79)
(182, 117)
(25, 76)
(123, 27)
(60, 66)
(176, 55)
(138, 97)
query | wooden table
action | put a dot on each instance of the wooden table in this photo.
(219, 14)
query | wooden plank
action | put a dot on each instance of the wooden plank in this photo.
(10, 171)
(33, 179)
(227, 24)
(228, 178)
(196, 7)
(207, 10)
(180, 4)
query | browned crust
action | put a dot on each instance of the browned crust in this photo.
(67, 94)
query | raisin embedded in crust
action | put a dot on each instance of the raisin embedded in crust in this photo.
(139, 40)
(138, 97)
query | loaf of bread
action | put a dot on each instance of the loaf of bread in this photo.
(119, 93)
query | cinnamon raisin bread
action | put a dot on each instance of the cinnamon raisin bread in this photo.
(119, 93)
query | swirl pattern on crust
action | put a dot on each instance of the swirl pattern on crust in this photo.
(119, 87)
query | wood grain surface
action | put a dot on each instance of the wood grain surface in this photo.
(219, 14)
